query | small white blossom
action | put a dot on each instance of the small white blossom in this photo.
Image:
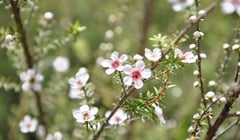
(31, 80)
(61, 64)
(154, 55)
(192, 46)
(214, 99)
(196, 72)
(48, 16)
(80, 79)
(202, 12)
(109, 34)
(179, 5)
(230, 6)
(9, 38)
(186, 57)
(117, 118)
(196, 116)
(76, 93)
(226, 46)
(115, 63)
(56, 136)
(191, 129)
(28, 124)
(193, 18)
(223, 99)
(210, 95)
(159, 113)
(212, 83)
(137, 57)
(136, 74)
(196, 84)
(203, 55)
(198, 34)
(85, 113)
(235, 47)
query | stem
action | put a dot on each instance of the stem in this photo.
(15, 9)
(148, 6)
(122, 84)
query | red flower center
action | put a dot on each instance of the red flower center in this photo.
(136, 74)
(115, 64)
(86, 116)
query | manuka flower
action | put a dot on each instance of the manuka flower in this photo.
(230, 6)
(80, 79)
(154, 55)
(85, 113)
(136, 74)
(75, 93)
(61, 64)
(118, 117)
(31, 80)
(56, 136)
(179, 5)
(28, 124)
(115, 63)
(186, 57)
(159, 114)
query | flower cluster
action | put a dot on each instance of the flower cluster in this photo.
(31, 80)
(185, 57)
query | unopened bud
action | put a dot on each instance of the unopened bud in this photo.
(192, 46)
(235, 47)
(203, 55)
(223, 100)
(196, 116)
(226, 46)
(196, 84)
(198, 34)
(202, 12)
(210, 94)
(48, 15)
(212, 83)
(196, 72)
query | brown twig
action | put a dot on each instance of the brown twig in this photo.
(145, 25)
(15, 9)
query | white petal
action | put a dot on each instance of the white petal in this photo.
(146, 73)
(227, 7)
(138, 84)
(127, 80)
(26, 87)
(39, 78)
(31, 72)
(140, 65)
(238, 10)
(37, 87)
(23, 76)
(109, 71)
(127, 69)
(107, 114)
(106, 63)
(123, 58)
(114, 55)
(93, 111)
(84, 108)
(72, 81)
(137, 57)
(177, 7)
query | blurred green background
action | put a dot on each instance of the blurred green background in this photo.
(123, 19)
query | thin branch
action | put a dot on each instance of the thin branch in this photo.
(148, 6)
(227, 129)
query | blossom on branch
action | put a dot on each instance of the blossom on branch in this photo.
(28, 124)
(118, 117)
(61, 64)
(85, 113)
(186, 57)
(31, 80)
(115, 63)
(154, 55)
(179, 5)
(230, 6)
(159, 113)
(80, 79)
(136, 74)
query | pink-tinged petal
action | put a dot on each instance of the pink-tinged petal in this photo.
(138, 84)
(127, 69)
(76, 113)
(123, 58)
(93, 111)
(127, 80)
(189, 2)
(84, 108)
(120, 68)
(72, 81)
(114, 55)
(91, 118)
(109, 71)
(137, 57)
(147, 51)
(146, 73)
(106, 63)
(227, 7)
(140, 65)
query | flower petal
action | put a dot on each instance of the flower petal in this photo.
(84, 108)
(123, 58)
(140, 65)
(93, 111)
(227, 7)
(127, 80)
(109, 71)
(106, 63)
(114, 55)
(146, 73)
(138, 84)
(127, 69)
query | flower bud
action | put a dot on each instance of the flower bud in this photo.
(226, 46)
(190, 129)
(203, 55)
(9, 37)
(212, 83)
(192, 46)
(202, 12)
(223, 100)
(235, 47)
(193, 19)
(48, 15)
(196, 72)
(196, 84)
(196, 116)
(198, 34)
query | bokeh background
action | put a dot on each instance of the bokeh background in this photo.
(114, 25)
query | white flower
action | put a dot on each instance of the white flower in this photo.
(235, 47)
(76, 93)
(56, 136)
(117, 118)
(193, 18)
(80, 79)
(115, 63)
(203, 55)
(9, 38)
(137, 57)
(230, 6)
(226, 46)
(48, 16)
(61, 64)
(210, 95)
(179, 5)
(198, 34)
(186, 57)
(159, 113)
(136, 74)
(154, 55)
(85, 113)
(28, 124)
(196, 116)
(31, 80)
